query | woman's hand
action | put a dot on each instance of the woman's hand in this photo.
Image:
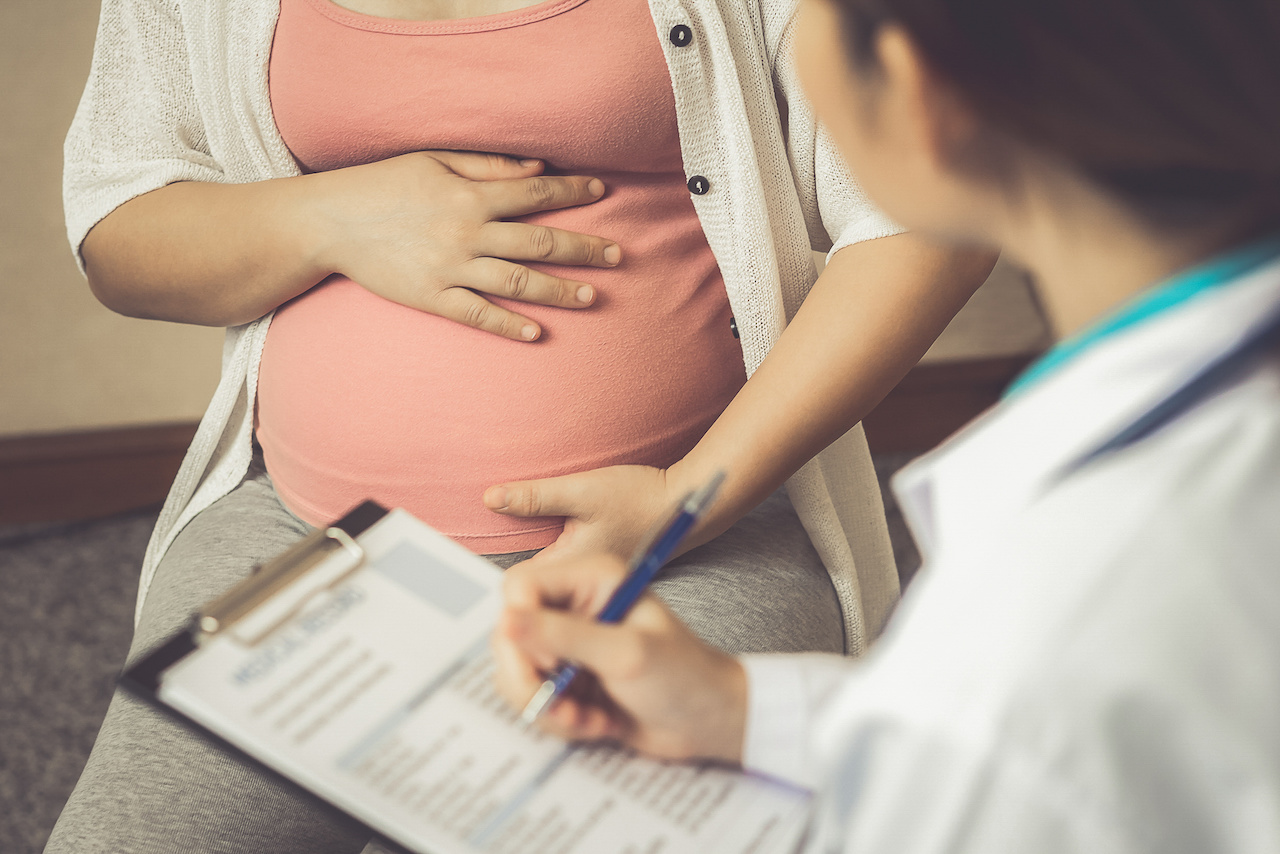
(652, 684)
(423, 229)
(426, 230)
(607, 510)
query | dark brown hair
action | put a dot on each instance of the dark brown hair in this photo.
(1171, 105)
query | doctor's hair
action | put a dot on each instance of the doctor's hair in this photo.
(1172, 106)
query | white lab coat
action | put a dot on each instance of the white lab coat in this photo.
(1088, 663)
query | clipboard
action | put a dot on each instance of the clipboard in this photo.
(356, 666)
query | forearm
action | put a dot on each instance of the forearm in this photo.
(210, 254)
(429, 230)
(870, 317)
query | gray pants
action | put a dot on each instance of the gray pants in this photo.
(153, 786)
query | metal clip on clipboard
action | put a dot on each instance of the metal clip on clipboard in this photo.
(279, 589)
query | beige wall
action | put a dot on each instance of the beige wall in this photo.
(66, 363)
(1002, 319)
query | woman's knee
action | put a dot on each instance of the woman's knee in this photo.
(759, 587)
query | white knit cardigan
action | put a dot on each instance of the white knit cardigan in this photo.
(178, 92)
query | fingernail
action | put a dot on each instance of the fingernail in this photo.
(584, 294)
(529, 332)
(530, 161)
(612, 254)
(596, 187)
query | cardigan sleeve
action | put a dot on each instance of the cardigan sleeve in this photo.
(138, 126)
(837, 212)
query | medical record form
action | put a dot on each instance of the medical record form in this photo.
(357, 665)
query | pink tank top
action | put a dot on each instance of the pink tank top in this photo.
(359, 397)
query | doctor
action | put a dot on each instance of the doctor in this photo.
(1090, 661)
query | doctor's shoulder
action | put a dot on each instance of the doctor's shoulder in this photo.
(1169, 692)
(1149, 694)
(1105, 674)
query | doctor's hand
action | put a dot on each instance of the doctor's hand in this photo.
(606, 511)
(427, 230)
(652, 684)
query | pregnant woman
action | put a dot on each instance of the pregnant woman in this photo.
(418, 323)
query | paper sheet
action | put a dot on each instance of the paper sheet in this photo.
(378, 696)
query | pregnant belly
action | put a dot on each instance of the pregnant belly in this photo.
(359, 397)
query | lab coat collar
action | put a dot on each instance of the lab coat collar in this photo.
(1010, 456)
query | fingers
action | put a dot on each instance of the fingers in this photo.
(478, 166)
(582, 585)
(522, 196)
(520, 241)
(515, 281)
(580, 714)
(552, 496)
(516, 675)
(516, 186)
(501, 278)
(586, 719)
(615, 652)
(471, 309)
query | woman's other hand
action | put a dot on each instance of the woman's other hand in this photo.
(427, 230)
(652, 684)
(606, 511)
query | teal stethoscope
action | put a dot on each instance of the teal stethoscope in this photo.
(1214, 376)
(1217, 374)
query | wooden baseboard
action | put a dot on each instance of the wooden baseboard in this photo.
(99, 473)
(73, 476)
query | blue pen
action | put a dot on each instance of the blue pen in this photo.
(644, 566)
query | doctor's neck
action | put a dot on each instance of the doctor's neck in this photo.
(1089, 253)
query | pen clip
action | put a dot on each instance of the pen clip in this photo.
(694, 501)
(655, 533)
(280, 576)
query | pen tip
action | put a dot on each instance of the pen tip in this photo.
(533, 710)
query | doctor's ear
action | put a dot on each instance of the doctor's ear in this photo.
(936, 126)
(905, 130)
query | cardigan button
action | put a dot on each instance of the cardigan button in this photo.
(680, 35)
(733, 327)
(699, 185)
